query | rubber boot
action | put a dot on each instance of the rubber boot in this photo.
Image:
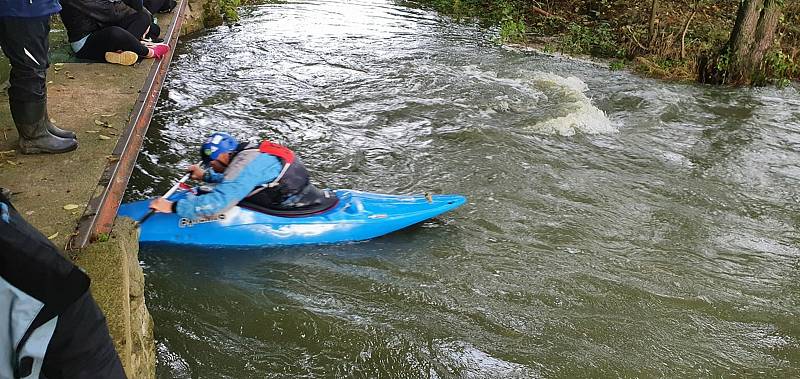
(31, 121)
(55, 130)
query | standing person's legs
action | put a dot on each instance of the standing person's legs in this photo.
(25, 42)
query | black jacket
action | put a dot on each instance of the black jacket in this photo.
(50, 323)
(83, 17)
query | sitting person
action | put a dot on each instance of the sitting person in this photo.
(110, 31)
(266, 177)
(160, 6)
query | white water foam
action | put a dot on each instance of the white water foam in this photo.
(583, 116)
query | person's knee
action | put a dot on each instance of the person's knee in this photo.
(116, 34)
(27, 83)
(144, 17)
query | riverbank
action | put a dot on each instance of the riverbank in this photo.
(72, 197)
(618, 32)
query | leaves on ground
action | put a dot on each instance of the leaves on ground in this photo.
(102, 137)
(53, 236)
(70, 207)
(104, 124)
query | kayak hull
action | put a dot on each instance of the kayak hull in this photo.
(358, 216)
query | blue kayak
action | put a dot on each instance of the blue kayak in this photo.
(357, 216)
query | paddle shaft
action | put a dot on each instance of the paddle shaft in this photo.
(166, 195)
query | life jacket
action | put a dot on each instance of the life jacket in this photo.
(291, 192)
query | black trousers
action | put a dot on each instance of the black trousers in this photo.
(24, 41)
(154, 6)
(122, 37)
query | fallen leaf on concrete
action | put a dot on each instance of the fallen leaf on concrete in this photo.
(12, 163)
(108, 125)
(70, 76)
(29, 213)
(109, 115)
(58, 65)
(104, 137)
(50, 82)
(8, 152)
(53, 236)
(112, 158)
(99, 123)
(70, 207)
(92, 131)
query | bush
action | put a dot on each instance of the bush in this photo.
(598, 41)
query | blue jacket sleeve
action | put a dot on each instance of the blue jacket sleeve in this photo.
(263, 169)
(211, 176)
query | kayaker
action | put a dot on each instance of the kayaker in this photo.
(266, 177)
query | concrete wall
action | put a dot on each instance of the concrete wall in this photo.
(118, 288)
(201, 14)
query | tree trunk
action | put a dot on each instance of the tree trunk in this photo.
(742, 59)
(651, 35)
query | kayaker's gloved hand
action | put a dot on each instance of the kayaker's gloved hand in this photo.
(162, 205)
(197, 172)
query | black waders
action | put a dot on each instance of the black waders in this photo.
(35, 134)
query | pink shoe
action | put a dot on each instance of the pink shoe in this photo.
(159, 49)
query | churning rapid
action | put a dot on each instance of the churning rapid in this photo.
(616, 226)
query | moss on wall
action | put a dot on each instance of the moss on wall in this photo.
(118, 288)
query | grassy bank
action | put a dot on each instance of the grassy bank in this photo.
(684, 31)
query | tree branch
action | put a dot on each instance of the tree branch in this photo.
(628, 28)
(686, 29)
(540, 11)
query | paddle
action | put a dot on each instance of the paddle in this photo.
(166, 195)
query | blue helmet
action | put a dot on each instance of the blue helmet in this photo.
(217, 144)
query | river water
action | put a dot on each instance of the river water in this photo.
(616, 226)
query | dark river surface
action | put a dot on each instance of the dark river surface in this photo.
(616, 226)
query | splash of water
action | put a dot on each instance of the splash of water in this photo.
(582, 116)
